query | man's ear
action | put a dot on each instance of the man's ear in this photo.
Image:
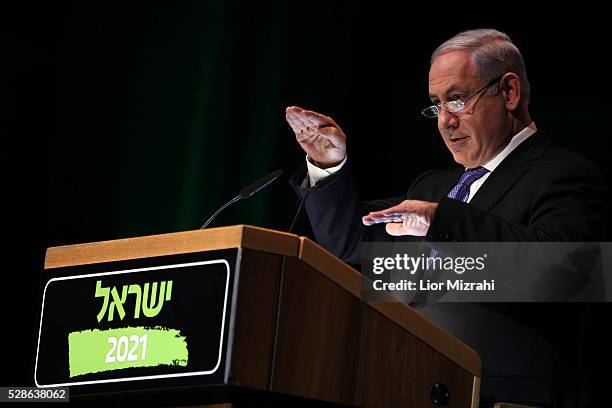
(511, 90)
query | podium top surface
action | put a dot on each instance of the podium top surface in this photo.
(236, 236)
(274, 242)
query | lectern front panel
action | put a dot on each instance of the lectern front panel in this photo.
(140, 321)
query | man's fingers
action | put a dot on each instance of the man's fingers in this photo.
(290, 118)
(396, 209)
(297, 121)
(393, 213)
(410, 217)
(312, 122)
(371, 220)
(303, 131)
(294, 126)
(302, 128)
(385, 214)
(299, 128)
(317, 119)
(293, 109)
(307, 123)
(309, 118)
(367, 221)
(406, 206)
(374, 215)
(312, 119)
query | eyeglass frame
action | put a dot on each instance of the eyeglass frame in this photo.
(463, 102)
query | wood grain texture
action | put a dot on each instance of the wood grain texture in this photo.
(318, 340)
(398, 369)
(174, 243)
(332, 346)
(405, 316)
(256, 305)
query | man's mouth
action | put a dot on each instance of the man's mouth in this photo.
(457, 141)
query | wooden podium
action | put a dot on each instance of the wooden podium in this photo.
(297, 330)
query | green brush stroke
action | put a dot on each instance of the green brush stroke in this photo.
(87, 349)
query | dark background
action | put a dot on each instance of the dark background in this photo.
(135, 118)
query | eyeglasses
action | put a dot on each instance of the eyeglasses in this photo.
(458, 104)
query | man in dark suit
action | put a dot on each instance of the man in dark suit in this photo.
(513, 185)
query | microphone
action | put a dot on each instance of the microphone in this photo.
(310, 190)
(245, 193)
(318, 184)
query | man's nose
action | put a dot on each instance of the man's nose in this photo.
(447, 120)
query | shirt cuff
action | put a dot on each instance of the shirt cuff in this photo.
(316, 174)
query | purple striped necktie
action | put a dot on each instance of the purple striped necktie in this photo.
(461, 191)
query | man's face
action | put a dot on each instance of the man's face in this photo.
(472, 138)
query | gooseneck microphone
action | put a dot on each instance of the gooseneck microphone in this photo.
(299, 210)
(245, 193)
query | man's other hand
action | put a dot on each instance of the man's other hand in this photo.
(410, 217)
(320, 137)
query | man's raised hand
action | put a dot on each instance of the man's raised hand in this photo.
(320, 137)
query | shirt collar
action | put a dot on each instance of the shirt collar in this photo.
(516, 140)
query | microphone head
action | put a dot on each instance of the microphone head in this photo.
(259, 184)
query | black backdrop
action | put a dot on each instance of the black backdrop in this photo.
(129, 119)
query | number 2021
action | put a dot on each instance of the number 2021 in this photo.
(121, 351)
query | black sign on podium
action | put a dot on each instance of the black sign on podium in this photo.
(143, 321)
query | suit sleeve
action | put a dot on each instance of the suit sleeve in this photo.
(334, 210)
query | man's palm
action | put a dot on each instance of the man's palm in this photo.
(320, 137)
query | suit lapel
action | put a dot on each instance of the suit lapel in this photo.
(497, 185)
(509, 171)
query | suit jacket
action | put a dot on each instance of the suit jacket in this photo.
(539, 192)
